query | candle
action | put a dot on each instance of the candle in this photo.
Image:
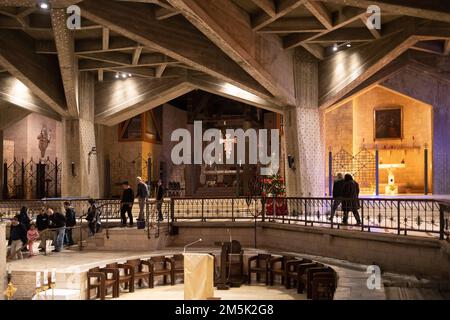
(38, 279)
(45, 277)
(53, 281)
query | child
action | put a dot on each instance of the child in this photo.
(17, 238)
(32, 236)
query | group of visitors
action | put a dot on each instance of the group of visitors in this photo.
(142, 194)
(346, 194)
(49, 225)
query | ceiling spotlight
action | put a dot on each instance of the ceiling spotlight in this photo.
(117, 76)
(335, 47)
(349, 45)
(124, 75)
(43, 5)
(129, 75)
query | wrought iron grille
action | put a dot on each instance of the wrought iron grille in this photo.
(32, 180)
(362, 166)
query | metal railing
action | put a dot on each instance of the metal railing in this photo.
(402, 216)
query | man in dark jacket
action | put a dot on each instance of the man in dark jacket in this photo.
(126, 204)
(71, 221)
(142, 195)
(42, 224)
(17, 238)
(351, 194)
(160, 191)
(338, 191)
(58, 223)
(94, 217)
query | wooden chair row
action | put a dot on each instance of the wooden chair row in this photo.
(319, 280)
(114, 275)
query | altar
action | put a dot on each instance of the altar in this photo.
(391, 188)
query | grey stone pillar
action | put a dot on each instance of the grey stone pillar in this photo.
(304, 130)
(81, 166)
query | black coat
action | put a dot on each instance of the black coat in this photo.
(57, 220)
(160, 191)
(71, 218)
(142, 191)
(42, 222)
(128, 196)
(338, 189)
(24, 219)
(351, 191)
(18, 233)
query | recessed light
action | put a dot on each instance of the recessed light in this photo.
(349, 45)
(117, 76)
(43, 5)
(129, 75)
(335, 47)
(124, 75)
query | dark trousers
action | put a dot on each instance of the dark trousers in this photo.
(126, 209)
(68, 240)
(159, 209)
(355, 213)
(94, 227)
(336, 203)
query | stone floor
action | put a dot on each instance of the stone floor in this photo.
(352, 283)
(253, 292)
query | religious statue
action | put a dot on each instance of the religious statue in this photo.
(44, 140)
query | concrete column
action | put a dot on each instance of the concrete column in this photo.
(79, 149)
(304, 130)
(2, 260)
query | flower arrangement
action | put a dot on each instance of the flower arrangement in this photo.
(273, 185)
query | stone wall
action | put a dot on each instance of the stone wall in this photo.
(24, 133)
(434, 91)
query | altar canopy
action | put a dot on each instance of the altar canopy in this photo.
(198, 276)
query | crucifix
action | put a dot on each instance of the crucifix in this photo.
(228, 144)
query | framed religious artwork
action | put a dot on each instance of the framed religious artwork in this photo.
(388, 123)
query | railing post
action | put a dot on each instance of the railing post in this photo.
(81, 234)
(398, 217)
(425, 156)
(232, 209)
(441, 222)
(306, 214)
(147, 217)
(362, 215)
(274, 206)
(263, 203)
(172, 210)
(377, 171)
(203, 204)
(330, 172)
